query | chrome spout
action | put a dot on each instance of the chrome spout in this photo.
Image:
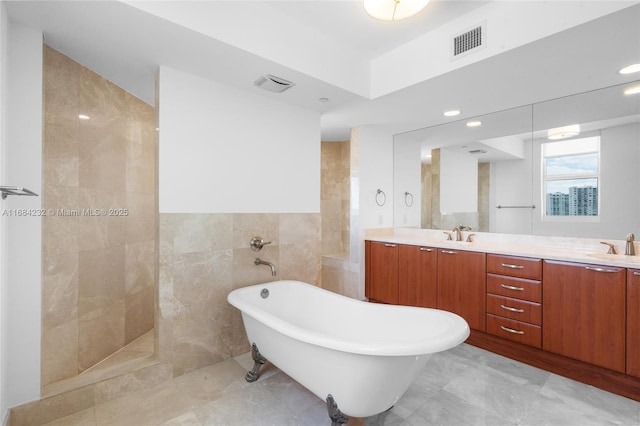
(259, 261)
(458, 233)
(612, 248)
(629, 249)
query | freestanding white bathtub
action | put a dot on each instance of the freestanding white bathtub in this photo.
(364, 355)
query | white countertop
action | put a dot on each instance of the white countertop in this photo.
(582, 250)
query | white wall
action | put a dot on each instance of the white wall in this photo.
(226, 151)
(407, 177)
(458, 182)
(375, 172)
(511, 185)
(4, 303)
(373, 162)
(21, 263)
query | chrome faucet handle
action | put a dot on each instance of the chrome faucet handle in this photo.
(257, 243)
(448, 234)
(612, 248)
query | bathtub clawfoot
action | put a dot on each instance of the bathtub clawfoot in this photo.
(337, 417)
(258, 360)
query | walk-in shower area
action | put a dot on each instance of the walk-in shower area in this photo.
(99, 234)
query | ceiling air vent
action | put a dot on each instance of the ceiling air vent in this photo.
(478, 151)
(273, 84)
(468, 42)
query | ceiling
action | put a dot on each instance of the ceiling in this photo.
(327, 48)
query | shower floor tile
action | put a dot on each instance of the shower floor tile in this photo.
(462, 386)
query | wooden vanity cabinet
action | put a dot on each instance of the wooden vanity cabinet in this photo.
(401, 274)
(417, 276)
(514, 296)
(462, 285)
(633, 322)
(584, 313)
(381, 282)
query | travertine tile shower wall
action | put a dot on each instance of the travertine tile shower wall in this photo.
(203, 256)
(335, 196)
(99, 193)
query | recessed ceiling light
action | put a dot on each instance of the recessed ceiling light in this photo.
(633, 90)
(451, 113)
(83, 117)
(630, 69)
(323, 99)
(474, 123)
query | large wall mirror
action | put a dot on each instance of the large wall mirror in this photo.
(565, 167)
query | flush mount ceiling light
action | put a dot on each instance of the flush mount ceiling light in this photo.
(563, 132)
(633, 90)
(630, 69)
(83, 117)
(393, 10)
(273, 84)
(451, 113)
(474, 123)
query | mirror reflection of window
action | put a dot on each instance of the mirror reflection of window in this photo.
(571, 173)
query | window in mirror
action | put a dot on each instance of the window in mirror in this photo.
(570, 173)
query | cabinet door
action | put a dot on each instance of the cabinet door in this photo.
(633, 322)
(417, 276)
(383, 270)
(462, 285)
(583, 311)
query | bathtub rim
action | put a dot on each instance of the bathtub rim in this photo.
(458, 328)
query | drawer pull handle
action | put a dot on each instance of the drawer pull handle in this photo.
(449, 252)
(510, 266)
(509, 308)
(510, 287)
(389, 245)
(425, 249)
(591, 268)
(511, 330)
(636, 273)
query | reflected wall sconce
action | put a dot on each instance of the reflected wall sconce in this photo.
(393, 10)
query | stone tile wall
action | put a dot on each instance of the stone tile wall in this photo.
(335, 196)
(203, 257)
(99, 192)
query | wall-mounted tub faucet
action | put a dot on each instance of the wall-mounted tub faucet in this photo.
(259, 261)
(257, 243)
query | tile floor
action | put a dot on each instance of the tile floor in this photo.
(463, 386)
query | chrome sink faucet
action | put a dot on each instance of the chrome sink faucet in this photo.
(458, 233)
(629, 249)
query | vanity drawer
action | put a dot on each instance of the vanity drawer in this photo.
(518, 288)
(520, 310)
(522, 267)
(513, 330)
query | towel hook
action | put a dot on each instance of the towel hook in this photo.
(378, 198)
